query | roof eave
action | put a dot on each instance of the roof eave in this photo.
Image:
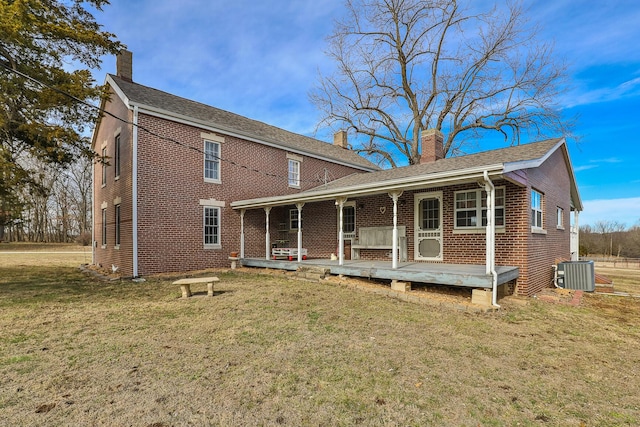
(400, 184)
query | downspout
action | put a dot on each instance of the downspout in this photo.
(134, 190)
(490, 238)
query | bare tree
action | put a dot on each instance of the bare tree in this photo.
(404, 66)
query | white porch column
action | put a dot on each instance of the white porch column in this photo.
(575, 236)
(340, 203)
(394, 244)
(267, 236)
(242, 211)
(299, 206)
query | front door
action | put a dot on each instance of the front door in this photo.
(428, 227)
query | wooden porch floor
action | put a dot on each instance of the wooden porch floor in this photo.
(443, 274)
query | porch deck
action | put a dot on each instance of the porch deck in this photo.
(443, 274)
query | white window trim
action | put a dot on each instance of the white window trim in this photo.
(104, 213)
(204, 161)
(478, 228)
(293, 217)
(212, 245)
(290, 161)
(559, 218)
(117, 222)
(537, 229)
(349, 204)
(117, 155)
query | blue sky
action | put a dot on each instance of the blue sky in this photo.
(261, 59)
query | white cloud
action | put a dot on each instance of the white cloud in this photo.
(625, 210)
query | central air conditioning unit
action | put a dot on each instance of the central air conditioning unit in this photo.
(578, 275)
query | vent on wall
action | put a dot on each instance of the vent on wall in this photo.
(579, 275)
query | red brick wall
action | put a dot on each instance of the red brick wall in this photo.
(109, 255)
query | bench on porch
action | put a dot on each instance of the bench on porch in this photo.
(185, 285)
(380, 238)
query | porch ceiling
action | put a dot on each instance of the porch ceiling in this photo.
(465, 275)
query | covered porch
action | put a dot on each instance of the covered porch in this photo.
(466, 275)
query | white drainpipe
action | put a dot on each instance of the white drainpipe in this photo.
(490, 237)
(134, 191)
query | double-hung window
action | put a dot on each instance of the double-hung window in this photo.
(294, 173)
(293, 219)
(104, 227)
(211, 161)
(104, 166)
(536, 209)
(471, 208)
(560, 218)
(117, 225)
(211, 227)
(116, 157)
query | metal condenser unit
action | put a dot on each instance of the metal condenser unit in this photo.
(579, 275)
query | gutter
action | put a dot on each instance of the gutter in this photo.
(134, 191)
(490, 237)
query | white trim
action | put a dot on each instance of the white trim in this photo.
(213, 203)
(219, 226)
(370, 188)
(104, 205)
(217, 180)
(294, 157)
(117, 200)
(438, 234)
(212, 137)
(479, 209)
(117, 132)
(294, 176)
(134, 191)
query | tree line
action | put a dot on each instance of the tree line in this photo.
(610, 239)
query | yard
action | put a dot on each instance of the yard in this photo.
(271, 350)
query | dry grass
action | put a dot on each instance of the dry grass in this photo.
(43, 254)
(268, 350)
(624, 279)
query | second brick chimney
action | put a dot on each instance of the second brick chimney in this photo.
(432, 141)
(124, 65)
(340, 139)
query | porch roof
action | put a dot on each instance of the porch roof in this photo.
(497, 163)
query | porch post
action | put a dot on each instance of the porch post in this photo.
(340, 202)
(299, 206)
(267, 237)
(242, 211)
(394, 245)
(575, 236)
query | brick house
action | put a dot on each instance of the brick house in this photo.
(187, 184)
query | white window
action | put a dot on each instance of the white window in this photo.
(212, 227)
(294, 173)
(104, 227)
(293, 219)
(117, 225)
(471, 208)
(211, 161)
(104, 166)
(116, 157)
(536, 209)
(560, 218)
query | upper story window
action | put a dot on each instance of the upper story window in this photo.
(471, 208)
(116, 156)
(294, 170)
(117, 225)
(294, 173)
(104, 166)
(536, 209)
(211, 161)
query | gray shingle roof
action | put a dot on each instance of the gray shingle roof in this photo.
(519, 153)
(225, 120)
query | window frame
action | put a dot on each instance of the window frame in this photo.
(213, 159)
(116, 157)
(293, 174)
(537, 210)
(117, 219)
(104, 166)
(293, 218)
(216, 227)
(559, 218)
(104, 228)
(480, 210)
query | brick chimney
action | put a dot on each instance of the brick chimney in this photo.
(124, 65)
(432, 146)
(340, 139)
